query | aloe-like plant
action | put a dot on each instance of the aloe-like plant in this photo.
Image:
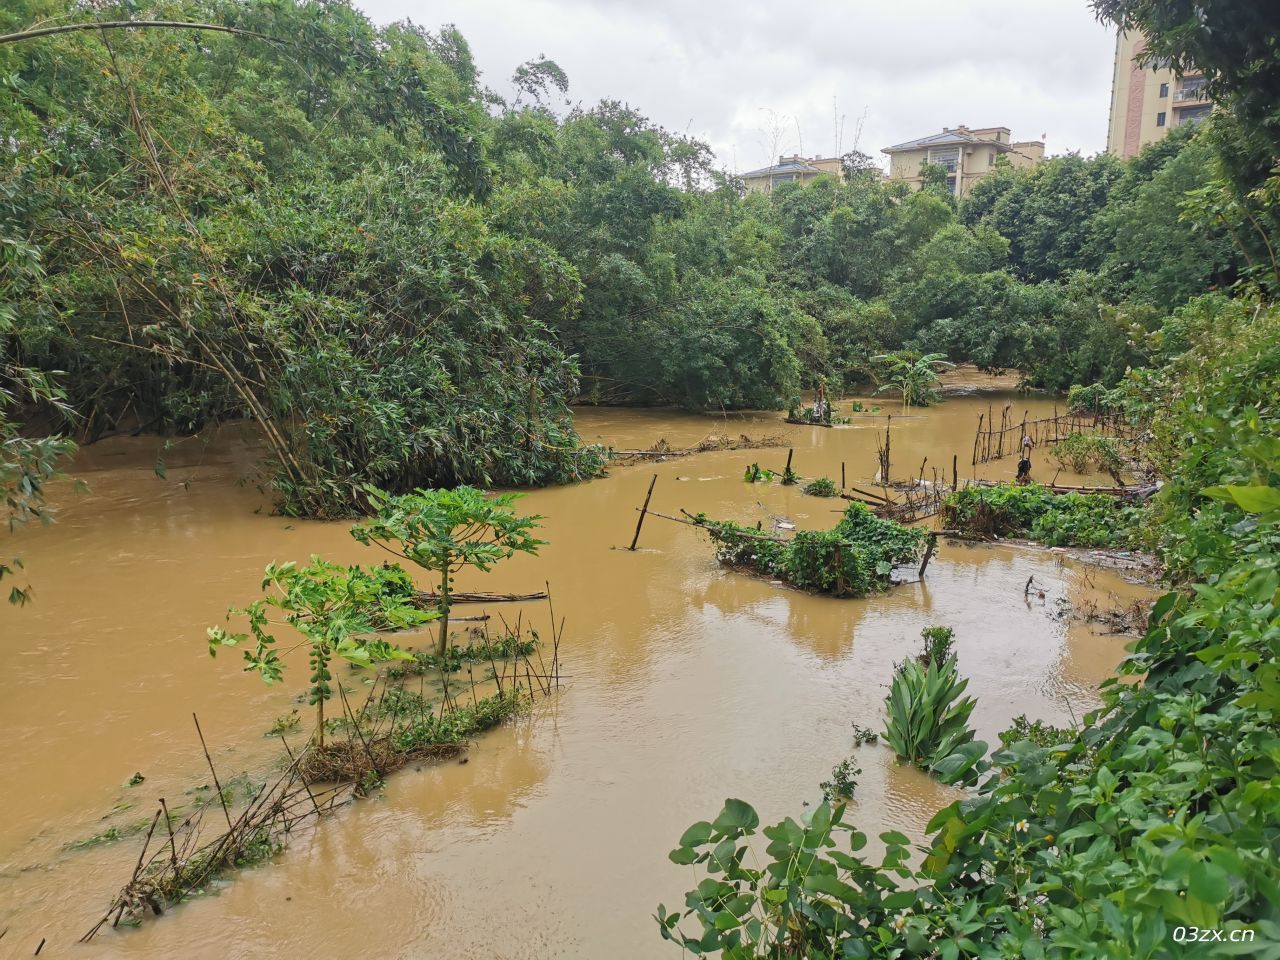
(928, 720)
(914, 379)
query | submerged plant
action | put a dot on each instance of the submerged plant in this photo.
(1059, 520)
(822, 487)
(938, 642)
(1080, 451)
(927, 720)
(446, 531)
(338, 612)
(844, 780)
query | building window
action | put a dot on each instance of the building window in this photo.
(1160, 119)
(1164, 90)
(1194, 114)
(991, 159)
(948, 157)
(951, 185)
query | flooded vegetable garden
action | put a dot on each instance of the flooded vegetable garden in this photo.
(679, 682)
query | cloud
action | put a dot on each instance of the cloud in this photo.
(750, 76)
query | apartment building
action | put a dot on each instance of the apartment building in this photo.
(1147, 102)
(790, 169)
(966, 154)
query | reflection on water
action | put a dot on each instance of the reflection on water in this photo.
(685, 685)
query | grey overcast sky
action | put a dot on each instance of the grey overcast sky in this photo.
(749, 75)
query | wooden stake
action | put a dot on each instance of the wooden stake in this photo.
(644, 512)
(173, 846)
(841, 474)
(787, 477)
(928, 553)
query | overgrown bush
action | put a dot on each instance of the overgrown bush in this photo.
(1080, 451)
(1033, 511)
(1094, 399)
(853, 559)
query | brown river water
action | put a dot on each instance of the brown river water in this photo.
(684, 684)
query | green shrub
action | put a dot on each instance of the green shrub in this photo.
(853, 559)
(938, 642)
(1059, 520)
(1080, 451)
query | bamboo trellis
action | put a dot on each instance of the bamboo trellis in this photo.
(991, 442)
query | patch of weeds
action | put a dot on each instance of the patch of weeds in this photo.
(1037, 731)
(938, 642)
(863, 736)
(284, 724)
(844, 780)
(822, 487)
(508, 647)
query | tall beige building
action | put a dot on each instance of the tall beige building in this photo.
(1148, 102)
(967, 155)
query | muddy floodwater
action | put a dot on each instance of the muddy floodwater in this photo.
(684, 684)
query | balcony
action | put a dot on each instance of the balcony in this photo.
(1191, 93)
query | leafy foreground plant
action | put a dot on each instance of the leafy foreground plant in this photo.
(337, 611)
(927, 720)
(853, 559)
(1059, 520)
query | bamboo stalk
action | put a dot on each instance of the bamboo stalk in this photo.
(645, 510)
(208, 759)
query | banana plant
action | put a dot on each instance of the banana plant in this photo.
(915, 379)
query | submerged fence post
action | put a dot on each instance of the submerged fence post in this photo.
(643, 513)
(787, 476)
(841, 474)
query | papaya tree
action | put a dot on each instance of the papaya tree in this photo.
(336, 611)
(446, 531)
